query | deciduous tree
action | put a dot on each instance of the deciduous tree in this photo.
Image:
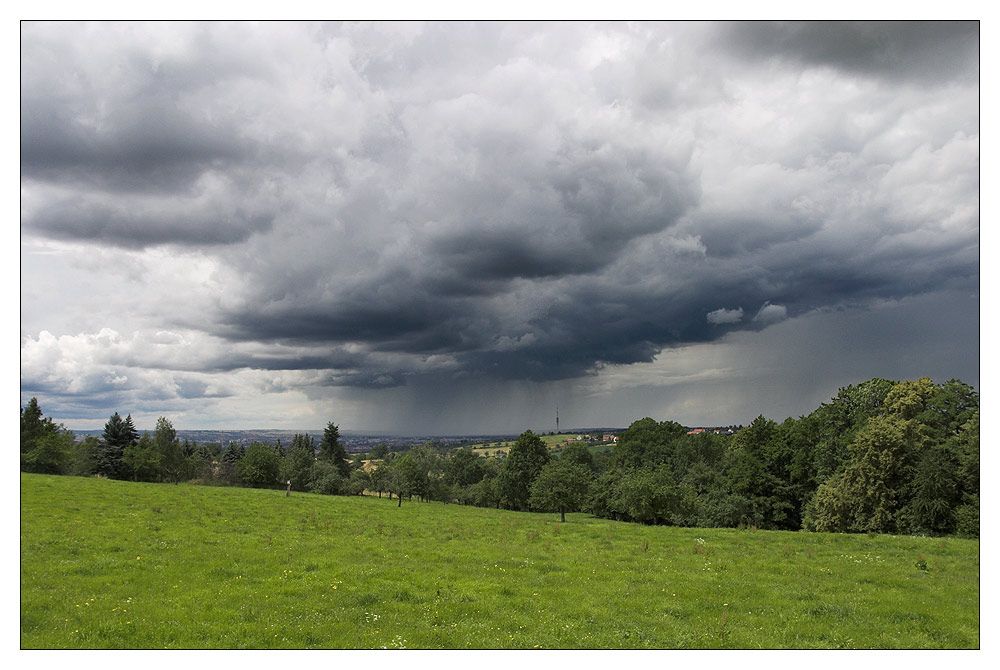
(172, 459)
(561, 487)
(525, 460)
(298, 462)
(141, 460)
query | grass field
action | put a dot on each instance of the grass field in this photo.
(108, 564)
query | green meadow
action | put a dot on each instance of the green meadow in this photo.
(112, 564)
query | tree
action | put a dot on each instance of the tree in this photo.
(829, 510)
(325, 478)
(647, 442)
(560, 486)
(330, 449)
(50, 454)
(758, 467)
(233, 453)
(868, 495)
(907, 399)
(648, 495)
(298, 462)
(966, 447)
(380, 478)
(118, 435)
(401, 477)
(947, 409)
(172, 460)
(426, 470)
(526, 458)
(130, 433)
(83, 462)
(260, 466)
(935, 492)
(833, 426)
(195, 459)
(33, 425)
(464, 468)
(141, 460)
(45, 447)
(356, 483)
(579, 454)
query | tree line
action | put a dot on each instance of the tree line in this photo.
(882, 456)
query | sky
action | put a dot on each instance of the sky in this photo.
(446, 228)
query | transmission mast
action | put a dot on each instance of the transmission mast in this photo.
(557, 419)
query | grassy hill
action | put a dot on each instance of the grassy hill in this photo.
(108, 564)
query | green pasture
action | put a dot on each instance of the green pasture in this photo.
(110, 564)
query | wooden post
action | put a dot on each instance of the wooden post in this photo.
(288, 491)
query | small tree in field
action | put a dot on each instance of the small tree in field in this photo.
(560, 486)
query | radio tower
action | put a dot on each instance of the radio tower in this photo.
(557, 419)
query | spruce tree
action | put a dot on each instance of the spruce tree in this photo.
(330, 449)
(45, 446)
(118, 434)
(33, 425)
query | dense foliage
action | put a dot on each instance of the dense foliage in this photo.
(880, 457)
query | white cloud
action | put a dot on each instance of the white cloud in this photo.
(769, 314)
(723, 315)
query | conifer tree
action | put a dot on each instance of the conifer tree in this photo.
(118, 434)
(330, 449)
(33, 425)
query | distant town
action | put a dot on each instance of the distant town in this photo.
(355, 442)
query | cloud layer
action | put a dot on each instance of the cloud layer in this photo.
(371, 205)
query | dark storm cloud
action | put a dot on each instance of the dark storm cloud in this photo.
(139, 224)
(908, 50)
(150, 146)
(514, 201)
(100, 103)
(126, 147)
